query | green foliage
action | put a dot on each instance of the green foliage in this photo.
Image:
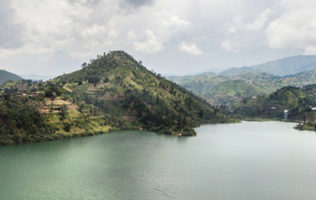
(21, 122)
(112, 92)
(124, 88)
(298, 101)
(63, 112)
(228, 90)
(52, 90)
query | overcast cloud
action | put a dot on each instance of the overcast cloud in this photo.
(172, 37)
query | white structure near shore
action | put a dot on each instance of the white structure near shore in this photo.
(285, 114)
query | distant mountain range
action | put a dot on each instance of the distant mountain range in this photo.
(36, 77)
(282, 67)
(231, 86)
(297, 103)
(6, 76)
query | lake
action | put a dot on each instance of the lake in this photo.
(248, 160)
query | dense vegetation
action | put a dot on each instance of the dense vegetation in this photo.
(299, 102)
(112, 92)
(119, 85)
(228, 90)
(7, 76)
(36, 111)
(20, 122)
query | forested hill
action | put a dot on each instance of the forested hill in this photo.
(299, 102)
(6, 76)
(228, 90)
(112, 92)
(121, 86)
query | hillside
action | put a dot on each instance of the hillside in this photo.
(37, 111)
(118, 84)
(231, 90)
(299, 102)
(6, 76)
(112, 92)
(282, 67)
(218, 89)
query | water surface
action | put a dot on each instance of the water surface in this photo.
(250, 160)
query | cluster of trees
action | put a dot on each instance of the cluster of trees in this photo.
(298, 102)
(21, 122)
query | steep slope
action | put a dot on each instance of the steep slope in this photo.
(21, 122)
(113, 92)
(37, 111)
(7, 76)
(119, 85)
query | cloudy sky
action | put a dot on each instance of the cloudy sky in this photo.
(51, 37)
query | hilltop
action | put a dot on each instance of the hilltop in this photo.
(112, 92)
(120, 85)
(7, 76)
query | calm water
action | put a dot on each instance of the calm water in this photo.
(251, 160)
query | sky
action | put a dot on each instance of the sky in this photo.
(178, 37)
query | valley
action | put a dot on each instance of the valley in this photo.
(157, 100)
(115, 92)
(253, 93)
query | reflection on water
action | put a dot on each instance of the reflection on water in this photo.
(249, 160)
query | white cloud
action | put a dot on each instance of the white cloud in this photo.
(131, 35)
(11, 32)
(260, 21)
(295, 28)
(228, 46)
(243, 23)
(310, 50)
(64, 33)
(243, 31)
(176, 21)
(151, 45)
(190, 48)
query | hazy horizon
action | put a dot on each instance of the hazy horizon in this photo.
(170, 37)
(211, 70)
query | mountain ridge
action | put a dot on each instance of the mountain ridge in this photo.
(7, 76)
(280, 67)
(261, 82)
(112, 92)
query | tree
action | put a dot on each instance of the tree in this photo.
(201, 114)
(106, 80)
(93, 78)
(63, 112)
(84, 65)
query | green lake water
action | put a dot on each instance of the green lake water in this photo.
(245, 161)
